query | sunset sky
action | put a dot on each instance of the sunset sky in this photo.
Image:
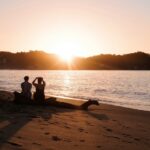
(84, 27)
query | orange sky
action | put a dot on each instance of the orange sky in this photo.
(85, 27)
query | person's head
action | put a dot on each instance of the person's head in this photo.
(26, 78)
(40, 79)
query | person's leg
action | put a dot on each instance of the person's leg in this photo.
(35, 96)
(38, 98)
(19, 98)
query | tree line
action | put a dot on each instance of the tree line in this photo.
(39, 60)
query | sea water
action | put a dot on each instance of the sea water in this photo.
(123, 88)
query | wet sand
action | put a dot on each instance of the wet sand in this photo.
(103, 127)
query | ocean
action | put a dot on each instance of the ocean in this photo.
(129, 89)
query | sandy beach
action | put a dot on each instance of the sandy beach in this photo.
(102, 127)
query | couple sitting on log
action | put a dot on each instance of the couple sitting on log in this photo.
(25, 97)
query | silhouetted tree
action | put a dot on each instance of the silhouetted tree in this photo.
(42, 60)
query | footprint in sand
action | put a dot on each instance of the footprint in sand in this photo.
(115, 137)
(98, 146)
(114, 120)
(136, 139)
(56, 138)
(55, 123)
(124, 127)
(14, 144)
(89, 124)
(67, 127)
(67, 140)
(36, 144)
(46, 133)
(82, 140)
(109, 130)
(81, 129)
(129, 142)
(126, 135)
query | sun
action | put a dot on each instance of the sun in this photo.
(67, 57)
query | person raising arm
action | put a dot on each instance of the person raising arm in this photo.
(39, 95)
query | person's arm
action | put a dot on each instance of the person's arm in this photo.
(34, 81)
(22, 86)
(44, 83)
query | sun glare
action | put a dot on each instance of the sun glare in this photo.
(66, 57)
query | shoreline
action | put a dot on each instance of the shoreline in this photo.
(72, 100)
(75, 100)
(103, 127)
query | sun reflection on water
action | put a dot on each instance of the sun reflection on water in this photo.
(66, 80)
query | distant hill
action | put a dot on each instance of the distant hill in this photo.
(39, 60)
(132, 61)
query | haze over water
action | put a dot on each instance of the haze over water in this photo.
(124, 88)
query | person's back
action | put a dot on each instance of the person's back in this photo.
(25, 96)
(40, 86)
(26, 88)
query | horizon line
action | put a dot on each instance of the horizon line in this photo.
(36, 50)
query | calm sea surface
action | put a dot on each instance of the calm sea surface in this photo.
(124, 88)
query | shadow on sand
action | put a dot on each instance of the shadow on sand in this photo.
(15, 117)
(98, 116)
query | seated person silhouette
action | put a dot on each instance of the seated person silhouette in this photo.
(39, 95)
(25, 94)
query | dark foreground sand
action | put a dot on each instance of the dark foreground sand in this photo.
(104, 127)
